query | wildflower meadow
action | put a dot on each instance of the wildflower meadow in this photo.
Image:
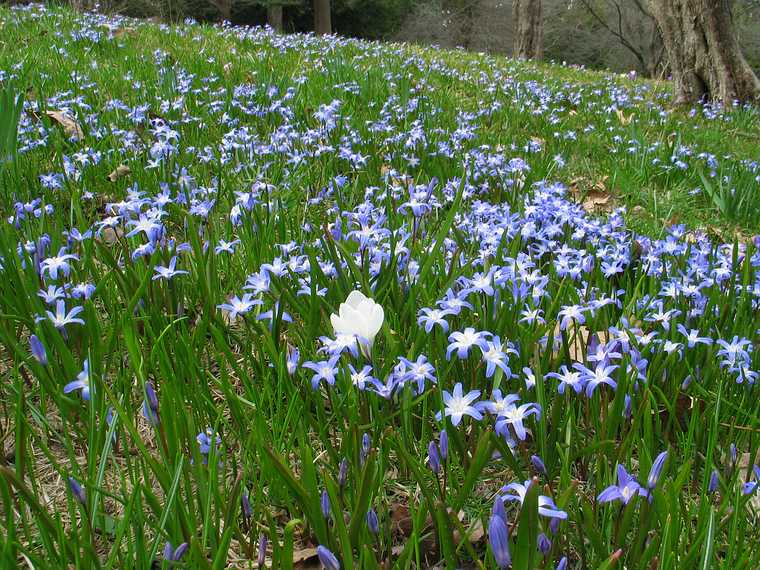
(288, 301)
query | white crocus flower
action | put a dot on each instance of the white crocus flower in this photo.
(359, 316)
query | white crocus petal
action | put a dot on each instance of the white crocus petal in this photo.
(375, 321)
(355, 298)
(359, 316)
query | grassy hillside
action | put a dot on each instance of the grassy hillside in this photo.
(562, 283)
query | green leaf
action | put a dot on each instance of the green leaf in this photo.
(707, 552)
(527, 530)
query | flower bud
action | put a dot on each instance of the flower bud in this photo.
(77, 491)
(293, 357)
(498, 509)
(327, 558)
(433, 460)
(343, 472)
(444, 445)
(245, 505)
(539, 465)
(324, 503)
(372, 521)
(714, 481)
(262, 550)
(498, 537)
(654, 473)
(38, 350)
(544, 544)
(179, 552)
(151, 397)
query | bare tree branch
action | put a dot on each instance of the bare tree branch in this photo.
(617, 33)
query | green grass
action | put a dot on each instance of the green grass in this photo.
(255, 99)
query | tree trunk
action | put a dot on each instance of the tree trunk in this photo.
(322, 21)
(225, 8)
(529, 29)
(703, 52)
(274, 17)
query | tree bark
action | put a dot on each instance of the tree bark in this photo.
(529, 29)
(705, 58)
(274, 17)
(322, 20)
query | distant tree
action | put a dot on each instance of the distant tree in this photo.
(224, 7)
(527, 16)
(322, 18)
(705, 58)
(274, 16)
(632, 24)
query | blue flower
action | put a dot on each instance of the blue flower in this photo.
(82, 382)
(495, 356)
(462, 342)
(208, 443)
(514, 416)
(168, 272)
(546, 506)
(237, 306)
(458, 405)
(60, 318)
(626, 489)
(750, 486)
(323, 370)
(431, 317)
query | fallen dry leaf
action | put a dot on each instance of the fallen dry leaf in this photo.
(122, 32)
(579, 337)
(305, 558)
(597, 199)
(69, 125)
(622, 118)
(121, 170)
(595, 202)
(109, 235)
